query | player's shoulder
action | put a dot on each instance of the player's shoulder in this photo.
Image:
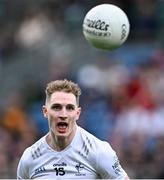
(34, 151)
(96, 142)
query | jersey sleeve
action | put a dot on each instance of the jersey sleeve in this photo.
(22, 169)
(108, 164)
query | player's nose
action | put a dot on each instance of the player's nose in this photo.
(63, 113)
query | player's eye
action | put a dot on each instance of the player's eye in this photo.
(70, 107)
(56, 107)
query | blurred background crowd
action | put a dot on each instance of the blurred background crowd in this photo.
(122, 90)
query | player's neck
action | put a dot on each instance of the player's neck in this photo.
(60, 143)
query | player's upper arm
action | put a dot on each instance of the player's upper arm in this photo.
(22, 169)
(108, 164)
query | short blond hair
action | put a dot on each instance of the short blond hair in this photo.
(65, 85)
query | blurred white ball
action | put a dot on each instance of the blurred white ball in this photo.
(106, 26)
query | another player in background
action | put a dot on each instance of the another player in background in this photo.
(67, 150)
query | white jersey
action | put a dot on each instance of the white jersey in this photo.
(86, 157)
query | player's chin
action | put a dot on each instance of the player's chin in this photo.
(62, 135)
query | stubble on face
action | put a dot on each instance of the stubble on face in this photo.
(62, 113)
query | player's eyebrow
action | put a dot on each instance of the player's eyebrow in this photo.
(70, 106)
(58, 105)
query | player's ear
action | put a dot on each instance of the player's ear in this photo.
(78, 112)
(44, 110)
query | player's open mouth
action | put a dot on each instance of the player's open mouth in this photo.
(62, 127)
